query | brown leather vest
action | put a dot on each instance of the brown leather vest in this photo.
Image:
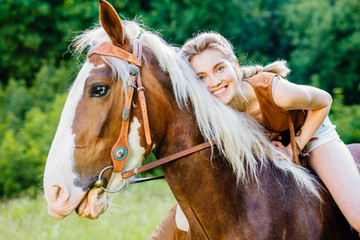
(275, 119)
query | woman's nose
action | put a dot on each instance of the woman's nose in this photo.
(213, 81)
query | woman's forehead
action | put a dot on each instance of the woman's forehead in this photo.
(206, 60)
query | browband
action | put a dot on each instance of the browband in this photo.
(109, 49)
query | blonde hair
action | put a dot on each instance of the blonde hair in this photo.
(213, 40)
(206, 40)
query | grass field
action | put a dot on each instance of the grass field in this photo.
(133, 214)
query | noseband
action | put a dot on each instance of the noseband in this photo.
(120, 151)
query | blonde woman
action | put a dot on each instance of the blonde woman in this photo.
(295, 114)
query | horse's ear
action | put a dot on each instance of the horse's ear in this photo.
(110, 21)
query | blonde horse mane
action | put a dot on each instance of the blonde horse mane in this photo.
(238, 136)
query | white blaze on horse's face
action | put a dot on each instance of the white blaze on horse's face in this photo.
(81, 147)
(59, 175)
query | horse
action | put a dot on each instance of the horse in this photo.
(234, 188)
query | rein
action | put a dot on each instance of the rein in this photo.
(120, 151)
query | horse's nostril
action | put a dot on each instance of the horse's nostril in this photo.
(59, 203)
(58, 193)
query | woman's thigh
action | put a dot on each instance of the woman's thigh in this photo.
(335, 166)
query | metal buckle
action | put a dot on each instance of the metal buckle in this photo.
(133, 70)
(100, 183)
(140, 89)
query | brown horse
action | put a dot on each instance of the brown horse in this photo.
(238, 190)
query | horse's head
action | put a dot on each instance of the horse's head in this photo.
(90, 124)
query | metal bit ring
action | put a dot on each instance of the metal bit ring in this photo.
(100, 183)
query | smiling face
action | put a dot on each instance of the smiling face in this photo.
(216, 73)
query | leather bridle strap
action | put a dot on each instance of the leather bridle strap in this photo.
(166, 159)
(125, 175)
(293, 141)
(109, 49)
(141, 97)
(120, 151)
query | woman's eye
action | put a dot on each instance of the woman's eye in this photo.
(201, 78)
(220, 69)
(99, 90)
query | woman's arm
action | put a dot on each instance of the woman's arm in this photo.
(290, 96)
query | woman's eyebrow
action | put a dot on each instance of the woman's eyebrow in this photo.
(216, 65)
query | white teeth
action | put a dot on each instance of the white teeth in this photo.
(220, 91)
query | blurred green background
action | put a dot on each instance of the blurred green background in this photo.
(320, 40)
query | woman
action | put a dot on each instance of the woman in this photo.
(283, 108)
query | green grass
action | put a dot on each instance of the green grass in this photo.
(133, 214)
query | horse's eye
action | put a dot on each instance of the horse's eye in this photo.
(99, 90)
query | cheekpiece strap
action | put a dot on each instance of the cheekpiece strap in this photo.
(120, 151)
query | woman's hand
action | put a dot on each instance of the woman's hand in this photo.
(290, 96)
(286, 150)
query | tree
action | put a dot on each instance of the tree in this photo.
(325, 37)
(252, 26)
(33, 30)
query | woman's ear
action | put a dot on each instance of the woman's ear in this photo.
(236, 66)
(238, 71)
(236, 63)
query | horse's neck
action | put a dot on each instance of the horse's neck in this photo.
(201, 187)
(195, 178)
(173, 129)
(181, 133)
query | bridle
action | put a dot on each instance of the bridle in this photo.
(120, 151)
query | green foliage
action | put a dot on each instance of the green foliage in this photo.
(20, 36)
(252, 26)
(23, 153)
(16, 98)
(34, 30)
(326, 52)
(13, 100)
(30, 116)
(346, 118)
(52, 80)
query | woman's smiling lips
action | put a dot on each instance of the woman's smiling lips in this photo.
(220, 92)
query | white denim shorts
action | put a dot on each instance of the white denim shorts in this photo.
(326, 133)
